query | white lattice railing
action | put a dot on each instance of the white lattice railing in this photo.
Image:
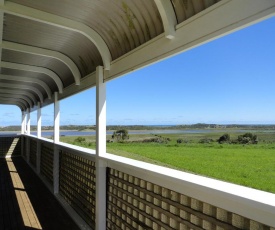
(145, 196)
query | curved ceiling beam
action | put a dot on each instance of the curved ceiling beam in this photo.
(10, 97)
(35, 69)
(20, 93)
(46, 53)
(61, 22)
(28, 79)
(18, 86)
(25, 98)
(13, 102)
(168, 17)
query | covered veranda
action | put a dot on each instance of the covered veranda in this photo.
(51, 50)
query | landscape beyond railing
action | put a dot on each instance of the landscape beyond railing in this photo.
(145, 196)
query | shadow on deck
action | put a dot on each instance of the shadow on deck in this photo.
(25, 202)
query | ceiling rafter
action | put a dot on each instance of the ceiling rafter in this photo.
(20, 93)
(10, 97)
(19, 86)
(28, 79)
(61, 22)
(13, 102)
(3, 94)
(168, 17)
(46, 53)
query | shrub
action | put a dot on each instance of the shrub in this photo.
(248, 138)
(224, 139)
(121, 134)
(179, 141)
(80, 139)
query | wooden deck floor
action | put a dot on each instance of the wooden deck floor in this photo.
(25, 202)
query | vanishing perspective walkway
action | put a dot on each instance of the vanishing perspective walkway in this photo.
(25, 202)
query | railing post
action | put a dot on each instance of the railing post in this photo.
(56, 141)
(38, 144)
(100, 150)
(28, 121)
(23, 122)
(38, 120)
(23, 129)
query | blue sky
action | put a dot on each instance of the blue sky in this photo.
(229, 80)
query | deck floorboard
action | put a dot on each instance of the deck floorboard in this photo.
(26, 203)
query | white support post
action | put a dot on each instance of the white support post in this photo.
(56, 118)
(28, 121)
(39, 120)
(38, 145)
(23, 130)
(28, 133)
(100, 150)
(23, 123)
(56, 141)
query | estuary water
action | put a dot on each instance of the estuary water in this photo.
(165, 131)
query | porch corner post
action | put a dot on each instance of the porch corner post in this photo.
(100, 150)
(28, 133)
(23, 122)
(55, 142)
(39, 120)
(56, 118)
(38, 145)
(28, 121)
(23, 130)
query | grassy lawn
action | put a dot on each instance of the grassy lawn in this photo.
(248, 165)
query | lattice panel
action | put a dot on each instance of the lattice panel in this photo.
(33, 152)
(46, 167)
(133, 203)
(10, 146)
(77, 185)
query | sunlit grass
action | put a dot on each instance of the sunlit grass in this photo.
(248, 165)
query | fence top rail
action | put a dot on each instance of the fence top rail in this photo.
(248, 202)
(80, 151)
(3, 135)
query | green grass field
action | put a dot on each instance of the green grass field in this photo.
(248, 165)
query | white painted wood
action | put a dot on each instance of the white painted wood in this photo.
(56, 140)
(100, 112)
(61, 22)
(250, 203)
(218, 20)
(56, 118)
(11, 97)
(18, 86)
(168, 17)
(39, 121)
(28, 79)
(28, 121)
(10, 101)
(17, 96)
(20, 93)
(35, 69)
(100, 150)
(23, 123)
(46, 53)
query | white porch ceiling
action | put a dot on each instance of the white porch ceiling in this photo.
(52, 46)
